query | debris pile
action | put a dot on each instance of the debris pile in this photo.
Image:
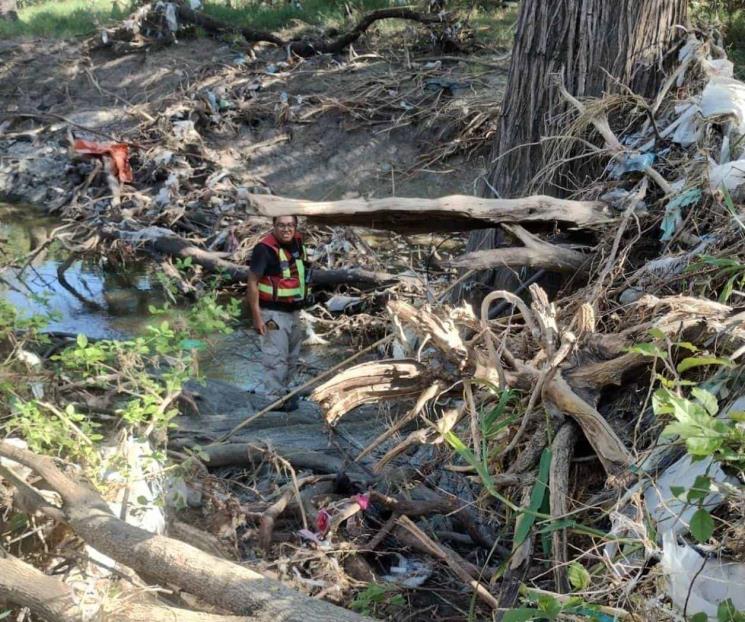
(534, 458)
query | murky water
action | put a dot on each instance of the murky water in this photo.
(105, 303)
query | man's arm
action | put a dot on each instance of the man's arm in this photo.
(258, 268)
(252, 296)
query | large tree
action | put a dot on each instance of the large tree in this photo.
(593, 47)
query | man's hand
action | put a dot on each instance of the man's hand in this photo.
(259, 326)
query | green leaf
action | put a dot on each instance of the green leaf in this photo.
(656, 333)
(677, 491)
(701, 361)
(701, 487)
(578, 576)
(82, 341)
(700, 617)
(707, 399)
(727, 612)
(648, 349)
(523, 614)
(702, 525)
(526, 519)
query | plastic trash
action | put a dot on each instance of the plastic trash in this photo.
(724, 96)
(674, 211)
(408, 572)
(338, 303)
(449, 87)
(729, 176)
(131, 469)
(118, 152)
(170, 13)
(185, 131)
(673, 514)
(688, 125)
(631, 163)
(697, 584)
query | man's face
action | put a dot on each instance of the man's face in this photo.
(284, 229)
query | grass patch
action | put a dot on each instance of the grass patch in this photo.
(264, 16)
(68, 18)
(72, 18)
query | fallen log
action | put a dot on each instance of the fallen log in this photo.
(306, 48)
(22, 585)
(535, 254)
(159, 241)
(450, 213)
(215, 581)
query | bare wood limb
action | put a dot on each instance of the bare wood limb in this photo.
(612, 453)
(562, 450)
(23, 585)
(369, 383)
(599, 120)
(535, 254)
(159, 241)
(304, 386)
(426, 395)
(306, 48)
(450, 213)
(452, 559)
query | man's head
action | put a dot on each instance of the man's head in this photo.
(284, 228)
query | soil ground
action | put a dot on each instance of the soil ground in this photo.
(322, 128)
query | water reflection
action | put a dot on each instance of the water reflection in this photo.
(101, 302)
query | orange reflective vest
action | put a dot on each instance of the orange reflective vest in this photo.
(289, 287)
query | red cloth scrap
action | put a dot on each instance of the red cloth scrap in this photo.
(119, 156)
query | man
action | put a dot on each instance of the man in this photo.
(277, 290)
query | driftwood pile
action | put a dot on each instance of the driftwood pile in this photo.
(517, 445)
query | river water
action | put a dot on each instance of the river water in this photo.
(121, 299)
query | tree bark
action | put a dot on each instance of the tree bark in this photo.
(48, 598)
(450, 213)
(594, 47)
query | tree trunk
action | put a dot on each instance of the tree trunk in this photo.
(9, 9)
(594, 47)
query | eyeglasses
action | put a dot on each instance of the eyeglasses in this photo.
(286, 227)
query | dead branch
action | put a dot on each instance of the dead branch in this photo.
(612, 453)
(562, 450)
(159, 241)
(451, 213)
(452, 559)
(535, 254)
(369, 383)
(23, 585)
(311, 47)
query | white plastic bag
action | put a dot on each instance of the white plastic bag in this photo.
(702, 583)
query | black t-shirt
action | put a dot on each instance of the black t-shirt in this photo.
(265, 262)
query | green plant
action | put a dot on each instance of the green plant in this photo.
(377, 598)
(690, 413)
(50, 431)
(146, 373)
(731, 270)
(726, 612)
(542, 606)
